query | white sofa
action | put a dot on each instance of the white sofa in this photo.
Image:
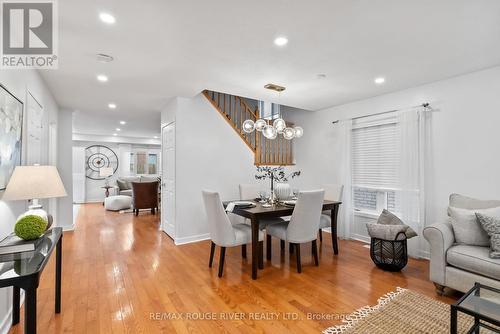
(125, 186)
(459, 266)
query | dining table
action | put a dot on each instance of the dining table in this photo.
(258, 212)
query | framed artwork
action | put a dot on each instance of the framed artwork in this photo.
(11, 126)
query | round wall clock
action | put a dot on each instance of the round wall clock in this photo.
(97, 157)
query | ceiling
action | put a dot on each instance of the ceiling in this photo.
(165, 48)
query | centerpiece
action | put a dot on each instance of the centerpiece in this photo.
(274, 174)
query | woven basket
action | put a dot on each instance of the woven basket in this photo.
(390, 255)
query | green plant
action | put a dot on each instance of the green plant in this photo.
(30, 227)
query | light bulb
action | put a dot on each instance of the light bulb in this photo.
(288, 133)
(298, 131)
(270, 132)
(248, 126)
(279, 124)
(260, 124)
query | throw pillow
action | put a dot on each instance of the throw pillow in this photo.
(467, 229)
(388, 218)
(385, 232)
(492, 226)
(122, 184)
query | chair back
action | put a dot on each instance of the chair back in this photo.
(249, 191)
(145, 194)
(221, 230)
(304, 224)
(333, 192)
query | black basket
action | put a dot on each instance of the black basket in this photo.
(389, 255)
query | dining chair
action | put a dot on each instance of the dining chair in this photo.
(303, 225)
(223, 233)
(333, 192)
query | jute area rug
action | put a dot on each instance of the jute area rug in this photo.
(402, 311)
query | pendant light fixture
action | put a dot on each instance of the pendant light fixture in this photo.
(279, 125)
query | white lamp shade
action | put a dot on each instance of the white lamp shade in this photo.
(106, 171)
(34, 182)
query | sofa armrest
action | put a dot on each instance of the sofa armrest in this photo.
(440, 238)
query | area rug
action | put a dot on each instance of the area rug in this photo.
(402, 311)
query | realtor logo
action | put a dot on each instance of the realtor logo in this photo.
(29, 34)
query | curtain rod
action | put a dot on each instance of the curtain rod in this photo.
(425, 105)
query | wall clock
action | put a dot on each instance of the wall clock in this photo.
(97, 157)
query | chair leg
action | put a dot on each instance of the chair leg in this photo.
(212, 251)
(261, 254)
(320, 235)
(153, 211)
(221, 260)
(268, 247)
(290, 246)
(244, 251)
(297, 254)
(282, 244)
(136, 212)
(315, 252)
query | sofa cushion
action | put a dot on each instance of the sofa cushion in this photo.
(492, 226)
(149, 178)
(122, 185)
(464, 202)
(474, 259)
(127, 192)
(466, 227)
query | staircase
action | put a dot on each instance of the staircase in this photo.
(235, 111)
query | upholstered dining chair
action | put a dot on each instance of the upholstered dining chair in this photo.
(222, 232)
(303, 225)
(145, 196)
(333, 192)
(250, 192)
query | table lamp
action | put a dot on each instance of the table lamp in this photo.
(34, 183)
(106, 172)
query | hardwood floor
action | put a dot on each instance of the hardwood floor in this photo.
(122, 275)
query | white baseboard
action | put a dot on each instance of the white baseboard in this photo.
(361, 238)
(68, 228)
(6, 323)
(191, 239)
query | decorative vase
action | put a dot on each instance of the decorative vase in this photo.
(282, 191)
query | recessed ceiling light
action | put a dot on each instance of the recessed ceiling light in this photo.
(321, 76)
(123, 122)
(114, 134)
(107, 18)
(155, 137)
(102, 78)
(118, 129)
(112, 106)
(379, 80)
(281, 41)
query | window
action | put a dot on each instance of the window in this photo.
(143, 163)
(375, 163)
(269, 110)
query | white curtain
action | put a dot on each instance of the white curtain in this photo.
(346, 209)
(414, 139)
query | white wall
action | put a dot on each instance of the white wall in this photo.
(209, 155)
(92, 188)
(465, 136)
(18, 82)
(65, 167)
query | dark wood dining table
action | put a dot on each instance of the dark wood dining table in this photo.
(258, 212)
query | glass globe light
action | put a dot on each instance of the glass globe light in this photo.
(260, 124)
(270, 132)
(288, 133)
(298, 131)
(279, 124)
(248, 126)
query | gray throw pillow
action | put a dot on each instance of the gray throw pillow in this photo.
(467, 229)
(469, 203)
(385, 232)
(492, 226)
(123, 185)
(388, 218)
